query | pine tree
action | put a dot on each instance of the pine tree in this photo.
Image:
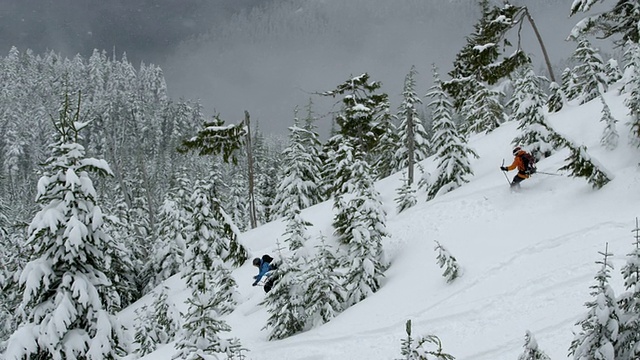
(610, 135)
(528, 109)
(173, 223)
(325, 295)
(570, 86)
(66, 292)
(478, 61)
(406, 195)
(622, 19)
(452, 152)
(300, 184)
(418, 349)
(414, 140)
(157, 324)
(628, 345)
(590, 73)
(599, 328)
(285, 301)
(632, 86)
(556, 99)
(531, 350)
(363, 231)
(365, 118)
(581, 164)
(203, 273)
(447, 262)
(483, 110)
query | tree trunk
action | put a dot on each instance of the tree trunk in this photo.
(252, 203)
(544, 49)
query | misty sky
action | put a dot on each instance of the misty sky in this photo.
(275, 54)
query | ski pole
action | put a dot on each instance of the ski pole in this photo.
(546, 173)
(505, 173)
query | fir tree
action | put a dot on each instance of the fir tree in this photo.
(581, 164)
(173, 224)
(528, 109)
(478, 61)
(590, 73)
(599, 328)
(420, 348)
(300, 184)
(531, 350)
(622, 19)
(157, 324)
(628, 346)
(447, 262)
(325, 295)
(363, 231)
(570, 86)
(610, 135)
(452, 152)
(66, 292)
(632, 86)
(556, 99)
(414, 140)
(285, 301)
(406, 195)
(203, 272)
(364, 119)
(483, 110)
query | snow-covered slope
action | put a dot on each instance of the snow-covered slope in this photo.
(528, 258)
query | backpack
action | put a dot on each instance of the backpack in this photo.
(269, 259)
(529, 163)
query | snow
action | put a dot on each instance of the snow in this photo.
(528, 257)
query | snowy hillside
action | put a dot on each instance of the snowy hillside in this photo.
(528, 257)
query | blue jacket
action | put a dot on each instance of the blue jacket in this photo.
(264, 268)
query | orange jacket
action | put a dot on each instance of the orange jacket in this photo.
(517, 163)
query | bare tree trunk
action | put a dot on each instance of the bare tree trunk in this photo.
(544, 49)
(252, 203)
(410, 147)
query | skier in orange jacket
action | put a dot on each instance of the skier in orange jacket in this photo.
(524, 162)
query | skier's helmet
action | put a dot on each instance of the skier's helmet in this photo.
(516, 150)
(256, 262)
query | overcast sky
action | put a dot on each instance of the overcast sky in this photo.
(147, 30)
(274, 58)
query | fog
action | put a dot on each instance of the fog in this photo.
(274, 58)
(269, 56)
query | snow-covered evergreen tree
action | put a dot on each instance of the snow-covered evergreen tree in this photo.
(360, 222)
(628, 345)
(205, 274)
(173, 226)
(406, 195)
(414, 140)
(285, 302)
(531, 350)
(422, 348)
(66, 292)
(325, 294)
(570, 86)
(157, 324)
(527, 105)
(581, 164)
(556, 99)
(364, 119)
(450, 147)
(599, 328)
(301, 181)
(610, 135)
(632, 86)
(590, 73)
(447, 262)
(622, 19)
(483, 110)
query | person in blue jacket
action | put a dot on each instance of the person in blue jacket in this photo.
(264, 266)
